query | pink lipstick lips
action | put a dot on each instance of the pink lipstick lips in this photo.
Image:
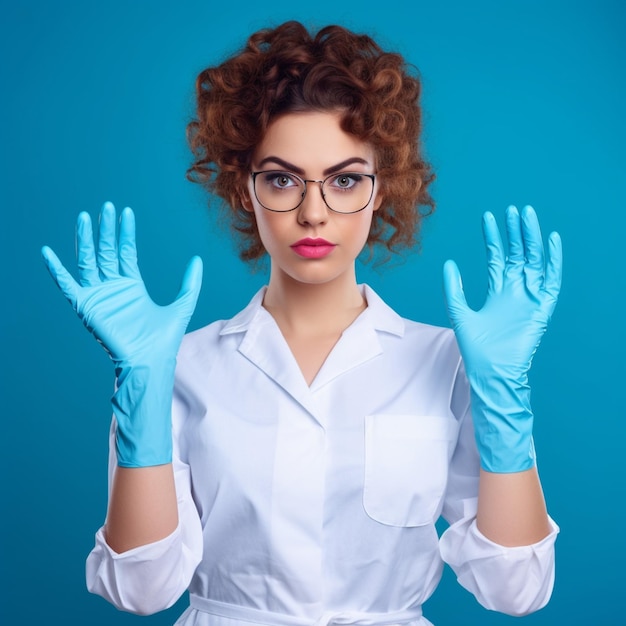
(313, 248)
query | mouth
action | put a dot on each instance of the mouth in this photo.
(313, 248)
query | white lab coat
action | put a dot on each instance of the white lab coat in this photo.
(312, 505)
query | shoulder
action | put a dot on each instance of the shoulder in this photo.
(431, 334)
(406, 333)
(198, 351)
(202, 348)
(429, 347)
(198, 340)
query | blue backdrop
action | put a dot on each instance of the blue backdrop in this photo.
(524, 103)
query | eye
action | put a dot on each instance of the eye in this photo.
(345, 180)
(280, 180)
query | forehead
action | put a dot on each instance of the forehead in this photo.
(311, 140)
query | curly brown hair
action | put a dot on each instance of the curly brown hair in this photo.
(287, 69)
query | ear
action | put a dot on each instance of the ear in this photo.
(378, 202)
(246, 203)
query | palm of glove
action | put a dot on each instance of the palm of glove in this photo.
(501, 338)
(111, 299)
(125, 320)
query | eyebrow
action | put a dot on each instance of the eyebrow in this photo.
(298, 170)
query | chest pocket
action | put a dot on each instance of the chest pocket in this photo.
(406, 467)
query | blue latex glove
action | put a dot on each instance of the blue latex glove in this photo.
(141, 337)
(498, 342)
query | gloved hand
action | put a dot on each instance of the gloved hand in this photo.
(498, 342)
(141, 337)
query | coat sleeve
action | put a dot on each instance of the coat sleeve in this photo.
(150, 578)
(512, 580)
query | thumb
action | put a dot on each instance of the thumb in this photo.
(191, 283)
(60, 275)
(453, 290)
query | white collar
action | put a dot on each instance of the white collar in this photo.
(378, 314)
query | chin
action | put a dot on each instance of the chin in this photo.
(318, 275)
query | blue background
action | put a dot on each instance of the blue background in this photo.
(524, 103)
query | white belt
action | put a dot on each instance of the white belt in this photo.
(257, 616)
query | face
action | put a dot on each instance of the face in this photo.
(312, 244)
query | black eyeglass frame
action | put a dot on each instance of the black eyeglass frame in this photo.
(372, 177)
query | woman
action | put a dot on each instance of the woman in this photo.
(288, 465)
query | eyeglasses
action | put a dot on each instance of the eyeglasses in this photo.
(346, 192)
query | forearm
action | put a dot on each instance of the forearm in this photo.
(152, 576)
(511, 508)
(142, 502)
(142, 506)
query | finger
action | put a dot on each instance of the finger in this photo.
(533, 242)
(107, 244)
(190, 286)
(495, 252)
(85, 253)
(453, 289)
(61, 276)
(128, 246)
(514, 234)
(554, 269)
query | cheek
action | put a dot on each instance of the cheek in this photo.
(362, 229)
(268, 227)
(355, 230)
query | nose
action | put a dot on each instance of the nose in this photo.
(313, 210)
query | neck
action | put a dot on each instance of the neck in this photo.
(314, 308)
